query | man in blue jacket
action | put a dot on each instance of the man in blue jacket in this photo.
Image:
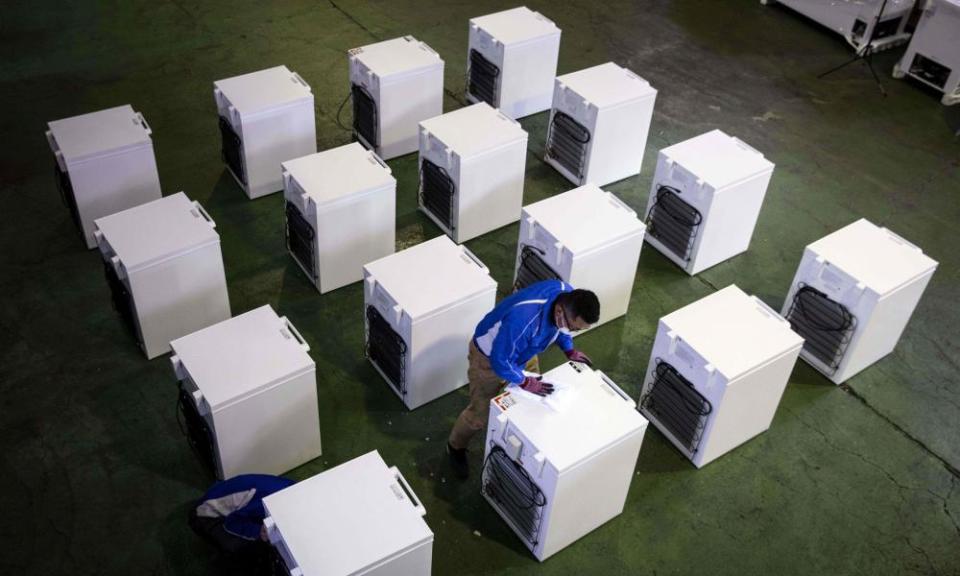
(505, 346)
(230, 516)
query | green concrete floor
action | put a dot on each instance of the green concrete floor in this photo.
(859, 479)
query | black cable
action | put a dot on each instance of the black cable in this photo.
(340, 111)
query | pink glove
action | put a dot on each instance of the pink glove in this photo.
(578, 356)
(535, 385)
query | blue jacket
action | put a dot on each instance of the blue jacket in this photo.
(520, 327)
(246, 520)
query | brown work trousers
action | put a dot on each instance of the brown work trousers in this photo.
(484, 385)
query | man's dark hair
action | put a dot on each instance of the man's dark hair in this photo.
(582, 303)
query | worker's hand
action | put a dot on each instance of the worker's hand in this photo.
(578, 356)
(535, 385)
(263, 534)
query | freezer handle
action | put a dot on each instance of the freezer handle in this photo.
(417, 505)
(300, 80)
(745, 146)
(768, 310)
(373, 156)
(507, 118)
(296, 334)
(540, 16)
(618, 202)
(631, 74)
(614, 387)
(901, 240)
(143, 122)
(476, 260)
(205, 215)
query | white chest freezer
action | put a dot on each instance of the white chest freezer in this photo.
(857, 20)
(248, 395)
(586, 237)
(599, 124)
(421, 307)
(266, 118)
(472, 164)
(933, 56)
(360, 518)
(705, 200)
(512, 61)
(394, 85)
(852, 296)
(717, 371)
(104, 164)
(555, 469)
(340, 213)
(164, 268)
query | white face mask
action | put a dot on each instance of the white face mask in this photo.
(561, 326)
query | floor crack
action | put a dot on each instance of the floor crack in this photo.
(352, 19)
(950, 467)
(900, 487)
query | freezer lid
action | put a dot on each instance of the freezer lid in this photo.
(589, 413)
(430, 276)
(260, 91)
(585, 218)
(243, 355)
(607, 85)
(339, 172)
(405, 55)
(875, 256)
(157, 230)
(474, 130)
(732, 331)
(718, 159)
(348, 518)
(104, 132)
(516, 25)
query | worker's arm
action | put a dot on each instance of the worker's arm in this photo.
(504, 350)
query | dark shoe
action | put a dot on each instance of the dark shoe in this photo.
(458, 461)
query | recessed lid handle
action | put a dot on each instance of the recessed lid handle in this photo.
(297, 78)
(373, 158)
(139, 119)
(475, 260)
(900, 239)
(745, 146)
(408, 492)
(613, 386)
(768, 311)
(204, 214)
(620, 203)
(293, 332)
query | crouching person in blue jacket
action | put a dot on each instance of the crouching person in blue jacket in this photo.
(230, 516)
(506, 344)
